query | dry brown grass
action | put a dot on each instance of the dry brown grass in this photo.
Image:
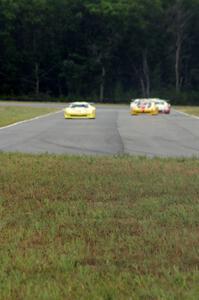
(98, 228)
(13, 114)
(192, 110)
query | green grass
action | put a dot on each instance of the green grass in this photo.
(12, 114)
(98, 228)
(192, 110)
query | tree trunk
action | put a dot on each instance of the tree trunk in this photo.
(102, 84)
(177, 64)
(37, 80)
(146, 74)
(143, 87)
(179, 19)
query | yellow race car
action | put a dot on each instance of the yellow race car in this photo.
(83, 110)
(144, 106)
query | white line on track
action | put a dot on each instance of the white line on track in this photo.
(185, 114)
(29, 120)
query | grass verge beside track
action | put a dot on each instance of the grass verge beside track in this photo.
(192, 110)
(12, 114)
(98, 228)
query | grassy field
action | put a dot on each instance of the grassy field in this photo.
(192, 110)
(98, 228)
(12, 114)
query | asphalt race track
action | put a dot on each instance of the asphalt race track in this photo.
(113, 132)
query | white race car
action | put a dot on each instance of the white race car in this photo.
(163, 105)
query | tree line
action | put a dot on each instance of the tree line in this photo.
(101, 50)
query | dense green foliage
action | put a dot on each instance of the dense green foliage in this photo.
(94, 228)
(100, 50)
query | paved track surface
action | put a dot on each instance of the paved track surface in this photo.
(113, 132)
